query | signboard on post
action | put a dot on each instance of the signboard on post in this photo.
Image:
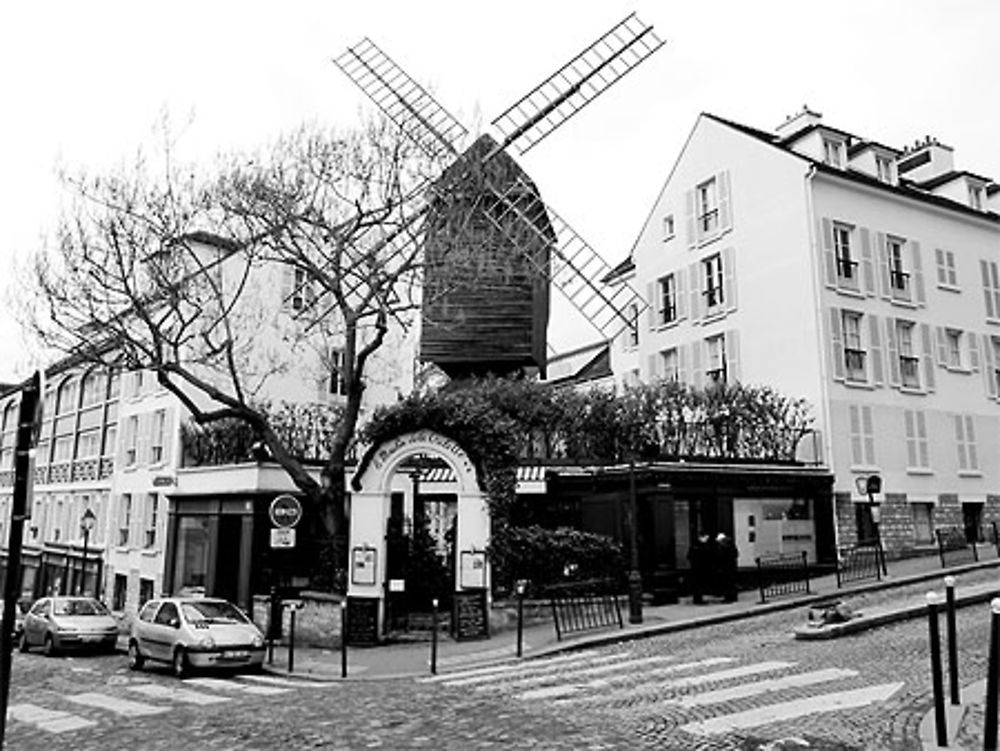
(282, 537)
(285, 511)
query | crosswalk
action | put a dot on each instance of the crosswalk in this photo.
(702, 697)
(69, 712)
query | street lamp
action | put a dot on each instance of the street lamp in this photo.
(86, 524)
(634, 577)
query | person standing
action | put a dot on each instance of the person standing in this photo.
(726, 558)
(698, 557)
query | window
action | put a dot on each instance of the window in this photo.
(114, 385)
(120, 592)
(847, 267)
(994, 344)
(899, 278)
(137, 382)
(946, 276)
(63, 450)
(917, 454)
(862, 435)
(883, 168)
(131, 440)
(712, 274)
(854, 350)
(110, 436)
(923, 522)
(145, 591)
(303, 294)
(92, 389)
(338, 383)
(707, 196)
(671, 364)
(666, 300)
(965, 440)
(909, 363)
(157, 436)
(124, 518)
(991, 288)
(66, 400)
(833, 153)
(632, 335)
(167, 615)
(976, 197)
(668, 227)
(88, 444)
(953, 342)
(715, 367)
(152, 519)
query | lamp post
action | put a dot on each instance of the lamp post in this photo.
(634, 577)
(86, 524)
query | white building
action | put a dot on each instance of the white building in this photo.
(861, 277)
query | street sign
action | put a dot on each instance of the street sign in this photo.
(282, 537)
(285, 511)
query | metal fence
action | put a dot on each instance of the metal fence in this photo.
(954, 547)
(781, 575)
(860, 562)
(586, 605)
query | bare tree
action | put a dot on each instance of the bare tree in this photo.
(158, 268)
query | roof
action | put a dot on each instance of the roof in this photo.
(625, 267)
(948, 177)
(789, 139)
(860, 146)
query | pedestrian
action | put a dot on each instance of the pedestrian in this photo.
(698, 557)
(726, 557)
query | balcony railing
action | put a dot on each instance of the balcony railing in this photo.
(899, 281)
(713, 296)
(909, 370)
(847, 272)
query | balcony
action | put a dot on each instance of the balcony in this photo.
(899, 283)
(854, 360)
(909, 371)
(847, 273)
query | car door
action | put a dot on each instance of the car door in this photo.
(161, 632)
(36, 620)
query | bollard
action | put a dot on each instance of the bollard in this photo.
(949, 587)
(291, 642)
(434, 636)
(940, 720)
(521, 585)
(343, 638)
(992, 679)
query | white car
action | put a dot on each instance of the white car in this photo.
(194, 632)
(61, 623)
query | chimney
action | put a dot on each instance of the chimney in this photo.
(926, 160)
(798, 121)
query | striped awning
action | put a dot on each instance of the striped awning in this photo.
(530, 479)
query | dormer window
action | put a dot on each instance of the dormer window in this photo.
(976, 197)
(883, 168)
(833, 153)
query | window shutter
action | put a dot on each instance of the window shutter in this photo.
(960, 442)
(918, 272)
(692, 237)
(989, 366)
(837, 341)
(725, 210)
(893, 351)
(868, 429)
(168, 435)
(911, 438)
(694, 277)
(729, 278)
(654, 305)
(732, 341)
(680, 289)
(942, 347)
(922, 439)
(828, 258)
(883, 264)
(875, 345)
(942, 271)
(682, 374)
(696, 366)
(973, 351)
(927, 351)
(987, 289)
(970, 440)
(867, 262)
(142, 444)
(857, 458)
(952, 277)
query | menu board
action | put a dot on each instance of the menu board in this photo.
(471, 619)
(362, 621)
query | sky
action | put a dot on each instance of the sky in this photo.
(83, 85)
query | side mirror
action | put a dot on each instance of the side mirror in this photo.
(174, 623)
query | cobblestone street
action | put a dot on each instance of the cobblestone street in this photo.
(738, 686)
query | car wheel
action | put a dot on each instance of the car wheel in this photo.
(180, 663)
(135, 658)
(23, 642)
(49, 646)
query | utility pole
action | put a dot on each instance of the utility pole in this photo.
(26, 433)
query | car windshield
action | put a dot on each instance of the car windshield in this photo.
(212, 611)
(78, 607)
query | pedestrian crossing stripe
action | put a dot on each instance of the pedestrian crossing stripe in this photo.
(183, 695)
(486, 654)
(49, 720)
(576, 672)
(124, 707)
(790, 710)
(744, 691)
(488, 673)
(272, 680)
(224, 685)
(602, 683)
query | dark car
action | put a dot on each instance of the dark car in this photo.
(62, 623)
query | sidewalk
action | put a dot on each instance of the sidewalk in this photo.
(413, 659)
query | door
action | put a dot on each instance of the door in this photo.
(972, 520)
(158, 636)
(227, 558)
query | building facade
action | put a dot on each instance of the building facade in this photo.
(856, 275)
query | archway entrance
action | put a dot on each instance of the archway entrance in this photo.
(419, 530)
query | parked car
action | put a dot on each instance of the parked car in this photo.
(19, 610)
(59, 623)
(194, 632)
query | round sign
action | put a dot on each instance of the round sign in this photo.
(285, 511)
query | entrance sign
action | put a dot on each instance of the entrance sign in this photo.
(363, 565)
(282, 537)
(473, 570)
(472, 620)
(285, 511)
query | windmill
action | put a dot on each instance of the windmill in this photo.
(499, 321)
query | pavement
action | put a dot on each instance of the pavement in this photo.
(898, 596)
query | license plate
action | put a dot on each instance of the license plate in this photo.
(235, 654)
(91, 637)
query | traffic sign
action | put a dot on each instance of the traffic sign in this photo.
(282, 537)
(285, 511)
